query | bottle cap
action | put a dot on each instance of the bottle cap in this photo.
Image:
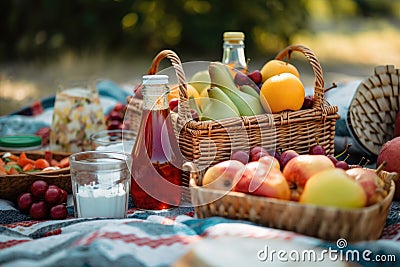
(233, 36)
(27, 142)
(155, 79)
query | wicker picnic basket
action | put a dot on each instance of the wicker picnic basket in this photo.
(327, 223)
(208, 142)
(11, 186)
(372, 111)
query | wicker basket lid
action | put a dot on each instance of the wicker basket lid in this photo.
(372, 111)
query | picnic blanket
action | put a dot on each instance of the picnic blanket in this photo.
(154, 239)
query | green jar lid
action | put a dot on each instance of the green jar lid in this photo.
(14, 141)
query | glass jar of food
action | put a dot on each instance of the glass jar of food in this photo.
(77, 115)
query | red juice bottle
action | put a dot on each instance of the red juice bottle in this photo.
(156, 158)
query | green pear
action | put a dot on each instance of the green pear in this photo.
(200, 80)
(216, 110)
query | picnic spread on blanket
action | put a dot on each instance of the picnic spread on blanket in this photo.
(205, 164)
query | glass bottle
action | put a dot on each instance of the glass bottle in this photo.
(233, 51)
(156, 158)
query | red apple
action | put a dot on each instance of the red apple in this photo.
(271, 161)
(262, 180)
(390, 153)
(299, 169)
(370, 182)
(223, 175)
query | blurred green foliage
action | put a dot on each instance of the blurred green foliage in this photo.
(45, 28)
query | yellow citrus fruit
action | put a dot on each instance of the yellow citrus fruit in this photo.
(281, 92)
(275, 67)
(191, 91)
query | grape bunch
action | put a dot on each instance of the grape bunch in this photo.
(44, 201)
(115, 118)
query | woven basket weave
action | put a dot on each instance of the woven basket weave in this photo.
(209, 142)
(327, 223)
(372, 111)
(11, 186)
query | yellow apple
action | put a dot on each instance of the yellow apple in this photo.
(333, 187)
(274, 67)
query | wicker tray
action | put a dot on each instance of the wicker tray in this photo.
(372, 111)
(208, 142)
(11, 186)
(327, 223)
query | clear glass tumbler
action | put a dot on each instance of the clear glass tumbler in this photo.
(113, 140)
(100, 183)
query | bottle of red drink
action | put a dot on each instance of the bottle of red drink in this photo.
(156, 158)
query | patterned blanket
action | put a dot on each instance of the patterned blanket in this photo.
(153, 239)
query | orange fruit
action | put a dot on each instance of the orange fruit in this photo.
(191, 91)
(281, 92)
(275, 67)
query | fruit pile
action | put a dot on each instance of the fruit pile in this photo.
(115, 118)
(14, 164)
(44, 201)
(310, 178)
(221, 92)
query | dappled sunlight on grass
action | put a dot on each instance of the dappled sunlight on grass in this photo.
(17, 90)
(378, 47)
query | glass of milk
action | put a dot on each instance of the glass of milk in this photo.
(100, 183)
(113, 140)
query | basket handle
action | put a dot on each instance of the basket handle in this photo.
(319, 93)
(183, 110)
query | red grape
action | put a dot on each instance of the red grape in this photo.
(25, 201)
(38, 188)
(58, 212)
(53, 196)
(342, 165)
(64, 196)
(308, 102)
(113, 125)
(241, 156)
(317, 150)
(258, 155)
(255, 76)
(39, 210)
(333, 159)
(114, 116)
(286, 156)
(256, 149)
